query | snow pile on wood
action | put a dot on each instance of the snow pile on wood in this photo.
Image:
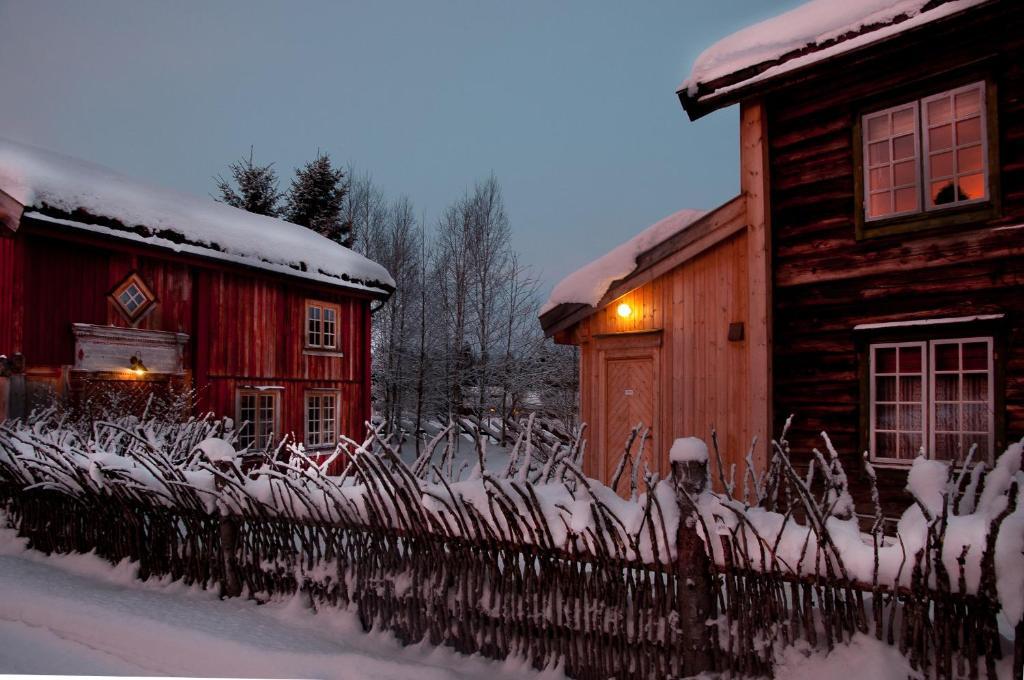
(80, 195)
(588, 284)
(812, 32)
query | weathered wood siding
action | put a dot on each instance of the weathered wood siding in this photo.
(825, 281)
(10, 294)
(680, 318)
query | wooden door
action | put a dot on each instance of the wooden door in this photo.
(630, 400)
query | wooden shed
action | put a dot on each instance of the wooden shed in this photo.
(108, 284)
(670, 327)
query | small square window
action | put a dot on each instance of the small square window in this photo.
(322, 325)
(132, 297)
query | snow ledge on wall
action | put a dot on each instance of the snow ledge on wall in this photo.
(78, 194)
(589, 284)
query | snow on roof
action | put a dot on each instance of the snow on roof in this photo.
(588, 284)
(813, 31)
(99, 200)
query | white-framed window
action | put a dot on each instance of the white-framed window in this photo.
(935, 395)
(321, 419)
(321, 325)
(927, 154)
(133, 297)
(257, 418)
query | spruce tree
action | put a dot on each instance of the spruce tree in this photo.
(256, 188)
(316, 198)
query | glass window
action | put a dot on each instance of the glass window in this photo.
(133, 297)
(927, 154)
(321, 419)
(935, 395)
(257, 417)
(322, 325)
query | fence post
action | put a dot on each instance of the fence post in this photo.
(697, 603)
(231, 585)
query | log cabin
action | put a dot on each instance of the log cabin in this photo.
(107, 284)
(886, 142)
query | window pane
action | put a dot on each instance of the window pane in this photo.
(975, 356)
(941, 164)
(906, 200)
(885, 444)
(910, 360)
(904, 173)
(947, 446)
(910, 417)
(938, 111)
(940, 137)
(885, 416)
(879, 178)
(878, 127)
(947, 387)
(947, 418)
(910, 389)
(975, 418)
(880, 204)
(982, 452)
(947, 356)
(903, 147)
(885, 388)
(885, 360)
(968, 103)
(878, 153)
(968, 131)
(975, 387)
(972, 187)
(969, 159)
(903, 121)
(910, 445)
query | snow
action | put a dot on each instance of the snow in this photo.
(863, 657)
(928, 322)
(76, 614)
(90, 197)
(688, 450)
(830, 27)
(588, 284)
(216, 449)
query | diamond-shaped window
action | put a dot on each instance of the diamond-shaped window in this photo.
(133, 297)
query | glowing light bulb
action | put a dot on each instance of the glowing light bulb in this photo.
(624, 310)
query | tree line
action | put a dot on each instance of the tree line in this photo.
(460, 334)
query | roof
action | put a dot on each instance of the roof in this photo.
(655, 250)
(75, 194)
(815, 31)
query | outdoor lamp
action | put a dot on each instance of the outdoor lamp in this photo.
(136, 365)
(624, 310)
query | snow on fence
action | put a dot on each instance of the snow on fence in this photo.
(539, 561)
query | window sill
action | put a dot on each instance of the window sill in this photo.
(927, 220)
(317, 352)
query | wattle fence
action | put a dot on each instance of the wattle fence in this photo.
(538, 561)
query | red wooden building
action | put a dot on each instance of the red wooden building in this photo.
(105, 281)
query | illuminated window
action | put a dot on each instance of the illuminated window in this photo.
(321, 325)
(321, 419)
(132, 297)
(257, 419)
(926, 155)
(936, 394)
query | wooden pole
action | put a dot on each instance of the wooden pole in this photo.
(231, 584)
(696, 589)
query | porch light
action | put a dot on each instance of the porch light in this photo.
(624, 310)
(136, 366)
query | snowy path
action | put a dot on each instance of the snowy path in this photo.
(77, 615)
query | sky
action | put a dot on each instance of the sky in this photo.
(571, 104)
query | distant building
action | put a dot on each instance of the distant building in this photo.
(108, 284)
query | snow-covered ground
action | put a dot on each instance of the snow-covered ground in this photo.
(78, 615)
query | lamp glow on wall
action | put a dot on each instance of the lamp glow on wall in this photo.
(624, 311)
(136, 366)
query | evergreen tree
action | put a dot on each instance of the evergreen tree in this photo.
(316, 198)
(254, 189)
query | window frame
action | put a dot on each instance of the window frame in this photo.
(990, 397)
(323, 308)
(335, 411)
(954, 332)
(925, 164)
(142, 310)
(872, 399)
(274, 393)
(972, 214)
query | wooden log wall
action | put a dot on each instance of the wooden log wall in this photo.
(826, 281)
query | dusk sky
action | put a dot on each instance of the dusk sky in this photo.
(571, 104)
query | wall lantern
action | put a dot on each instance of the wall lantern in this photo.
(624, 310)
(136, 365)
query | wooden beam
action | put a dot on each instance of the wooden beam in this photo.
(10, 211)
(755, 187)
